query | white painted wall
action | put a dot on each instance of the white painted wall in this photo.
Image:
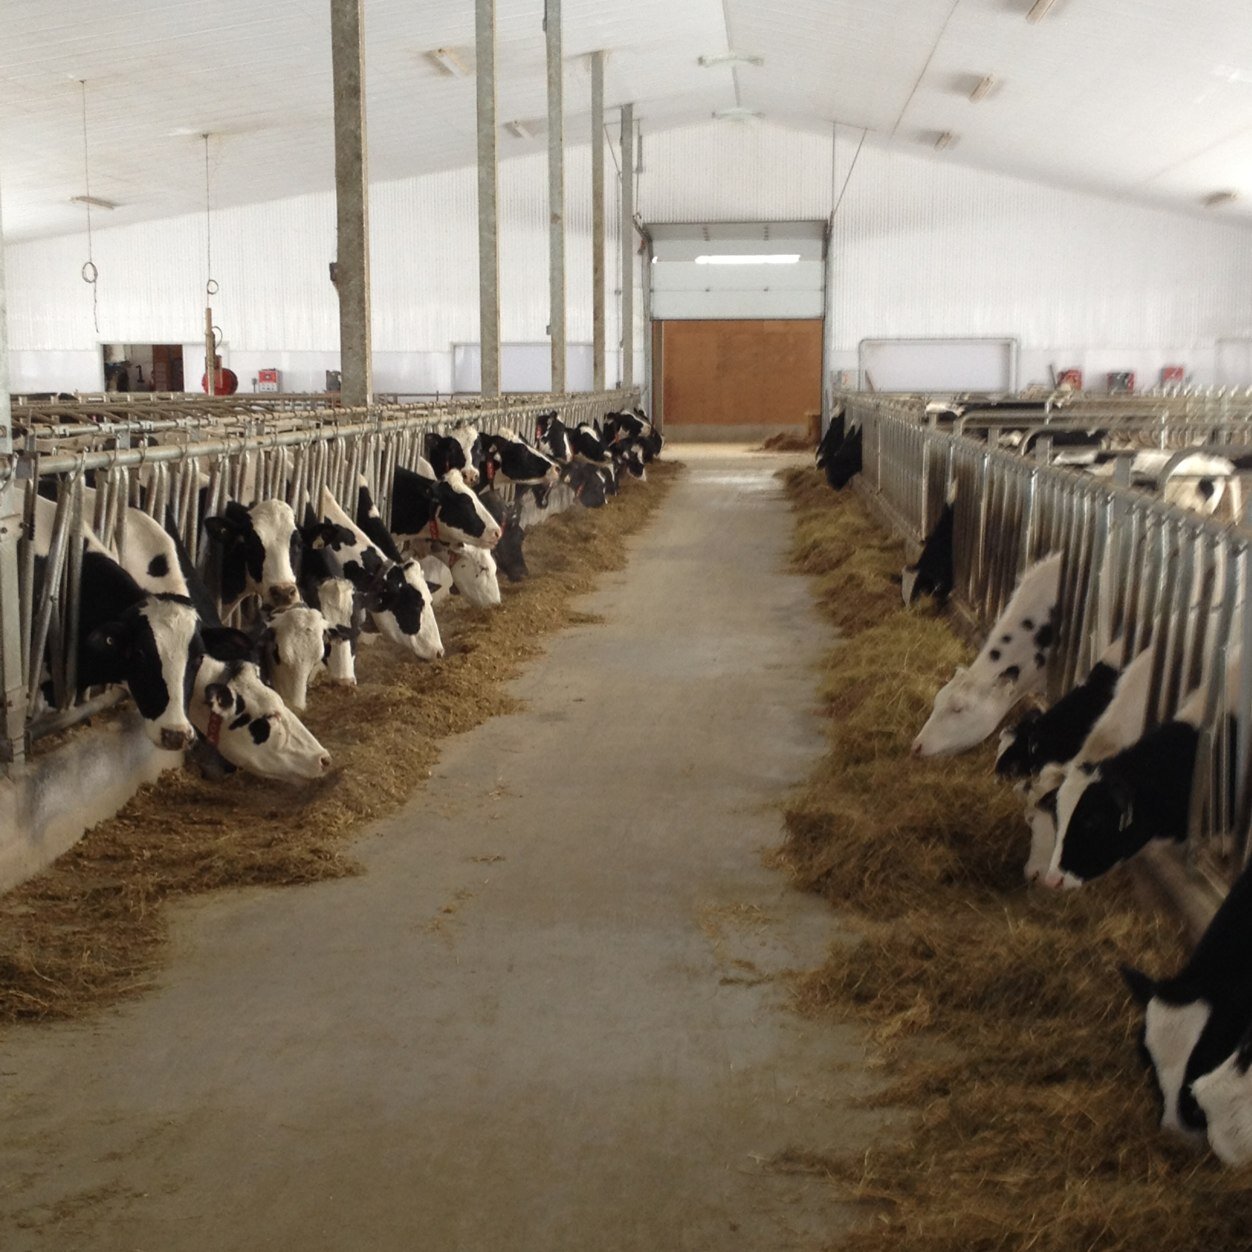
(922, 248)
(276, 305)
(925, 248)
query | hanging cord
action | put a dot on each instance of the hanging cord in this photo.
(210, 286)
(89, 271)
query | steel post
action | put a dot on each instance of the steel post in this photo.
(12, 678)
(488, 198)
(628, 246)
(352, 273)
(597, 220)
(556, 192)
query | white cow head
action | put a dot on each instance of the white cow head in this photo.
(967, 709)
(474, 573)
(248, 723)
(294, 642)
(1225, 1097)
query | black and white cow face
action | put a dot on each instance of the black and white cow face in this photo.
(508, 552)
(249, 724)
(461, 516)
(473, 575)
(260, 552)
(155, 649)
(1141, 794)
(452, 452)
(336, 600)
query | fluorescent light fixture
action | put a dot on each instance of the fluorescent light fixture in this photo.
(449, 62)
(519, 130)
(945, 139)
(94, 201)
(736, 114)
(1217, 198)
(983, 88)
(745, 258)
(731, 58)
(1039, 10)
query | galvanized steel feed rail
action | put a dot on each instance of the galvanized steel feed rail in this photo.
(1135, 568)
(160, 459)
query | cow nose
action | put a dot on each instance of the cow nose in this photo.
(494, 536)
(324, 761)
(916, 749)
(1052, 880)
(283, 595)
(176, 740)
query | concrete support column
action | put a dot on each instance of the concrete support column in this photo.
(628, 245)
(488, 198)
(597, 220)
(556, 191)
(12, 675)
(352, 281)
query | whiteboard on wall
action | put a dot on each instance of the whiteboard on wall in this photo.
(938, 364)
(1234, 363)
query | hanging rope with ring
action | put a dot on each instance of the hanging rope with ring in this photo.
(89, 271)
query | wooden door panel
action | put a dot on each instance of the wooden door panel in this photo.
(733, 373)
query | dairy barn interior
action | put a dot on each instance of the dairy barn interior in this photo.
(621, 625)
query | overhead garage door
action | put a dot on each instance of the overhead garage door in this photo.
(740, 373)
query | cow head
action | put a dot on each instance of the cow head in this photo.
(1224, 1096)
(552, 436)
(155, 648)
(249, 724)
(1018, 753)
(294, 643)
(474, 576)
(586, 483)
(260, 552)
(461, 516)
(966, 710)
(336, 600)
(1181, 1039)
(399, 601)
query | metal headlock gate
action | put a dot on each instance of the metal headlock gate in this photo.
(188, 458)
(1134, 567)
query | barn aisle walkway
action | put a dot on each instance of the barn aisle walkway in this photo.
(543, 1020)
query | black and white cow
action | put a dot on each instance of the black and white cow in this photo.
(393, 592)
(505, 454)
(294, 644)
(567, 443)
(453, 452)
(444, 510)
(261, 736)
(933, 574)
(585, 482)
(1196, 1021)
(1057, 735)
(1112, 807)
(1012, 664)
(508, 552)
(839, 453)
(1224, 1095)
(257, 552)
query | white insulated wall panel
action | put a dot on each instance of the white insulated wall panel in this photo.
(276, 305)
(925, 248)
(726, 171)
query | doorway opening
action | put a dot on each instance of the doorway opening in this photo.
(143, 366)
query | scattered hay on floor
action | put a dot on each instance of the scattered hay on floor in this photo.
(997, 1010)
(787, 441)
(90, 929)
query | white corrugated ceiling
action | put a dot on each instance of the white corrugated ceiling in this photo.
(1148, 99)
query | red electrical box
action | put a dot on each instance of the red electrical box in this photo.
(267, 380)
(1070, 378)
(1171, 374)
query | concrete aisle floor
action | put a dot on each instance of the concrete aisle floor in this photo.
(544, 1018)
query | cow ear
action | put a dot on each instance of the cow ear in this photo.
(237, 514)
(1029, 717)
(1142, 988)
(219, 528)
(1008, 677)
(217, 695)
(223, 643)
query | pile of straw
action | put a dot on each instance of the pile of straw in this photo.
(997, 1010)
(90, 929)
